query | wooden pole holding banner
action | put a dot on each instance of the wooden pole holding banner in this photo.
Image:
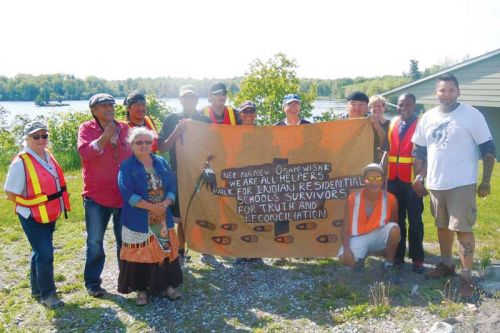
(381, 163)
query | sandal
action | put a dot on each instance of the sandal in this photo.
(171, 293)
(142, 298)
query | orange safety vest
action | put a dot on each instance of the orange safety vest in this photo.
(359, 224)
(400, 152)
(150, 125)
(42, 196)
(229, 116)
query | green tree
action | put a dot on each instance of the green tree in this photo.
(266, 83)
(414, 72)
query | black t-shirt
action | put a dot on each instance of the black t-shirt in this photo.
(168, 128)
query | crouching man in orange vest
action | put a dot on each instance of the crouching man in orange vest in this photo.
(35, 182)
(368, 226)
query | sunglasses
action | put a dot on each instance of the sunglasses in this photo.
(40, 136)
(220, 94)
(374, 179)
(248, 111)
(140, 143)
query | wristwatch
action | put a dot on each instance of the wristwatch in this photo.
(419, 178)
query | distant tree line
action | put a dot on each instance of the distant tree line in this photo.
(58, 87)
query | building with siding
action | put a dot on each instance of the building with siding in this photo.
(479, 80)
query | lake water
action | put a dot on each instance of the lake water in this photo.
(30, 108)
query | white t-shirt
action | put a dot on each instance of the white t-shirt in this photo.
(451, 140)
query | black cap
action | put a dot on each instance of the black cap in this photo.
(98, 99)
(134, 97)
(217, 88)
(358, 96)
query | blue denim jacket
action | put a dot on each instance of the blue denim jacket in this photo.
(133, 186)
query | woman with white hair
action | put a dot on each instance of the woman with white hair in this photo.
(148, 257)
(36, 184)
(380, 125)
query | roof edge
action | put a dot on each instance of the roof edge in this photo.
(444, 71)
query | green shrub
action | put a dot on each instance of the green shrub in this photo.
(63, 128)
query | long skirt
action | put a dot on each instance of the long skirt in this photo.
(151, 278)
(145, 264)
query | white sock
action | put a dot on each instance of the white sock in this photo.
(447, 260)
(466, 273)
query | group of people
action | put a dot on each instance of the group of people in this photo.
(126, 182)
(438, 149)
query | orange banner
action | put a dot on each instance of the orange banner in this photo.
(278, 191)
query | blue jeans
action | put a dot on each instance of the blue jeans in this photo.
(42, 256)
(96, 221)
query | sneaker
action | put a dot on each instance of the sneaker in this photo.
(210, 260)
(37, 297)
(359, 266)
(466, 288)
(52, 302)
(441, 270)
(171, 293)
(398, 262)
(392, 274)
(142, 298)
(97, 292)
(417, 267)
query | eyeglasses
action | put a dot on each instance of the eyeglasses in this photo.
(40, 136)
(374, 179)
(140, 143)
(248, 111)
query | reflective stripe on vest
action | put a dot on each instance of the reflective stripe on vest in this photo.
(232, 119)
(395, 159)
(356, 212)
(33, 201)
(150, 124)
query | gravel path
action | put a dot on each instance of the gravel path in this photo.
(302, 296)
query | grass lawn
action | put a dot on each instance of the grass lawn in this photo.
(18, 312)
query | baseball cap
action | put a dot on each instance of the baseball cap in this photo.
(217, 88)
(33, 127)
(247, 105)
(358, 96)
(290, 98)
(187, 89)
(134, 97)
(373, 167)
(101, 98)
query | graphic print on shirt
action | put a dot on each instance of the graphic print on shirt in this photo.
(440, 135)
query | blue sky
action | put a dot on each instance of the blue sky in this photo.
(219, 38)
